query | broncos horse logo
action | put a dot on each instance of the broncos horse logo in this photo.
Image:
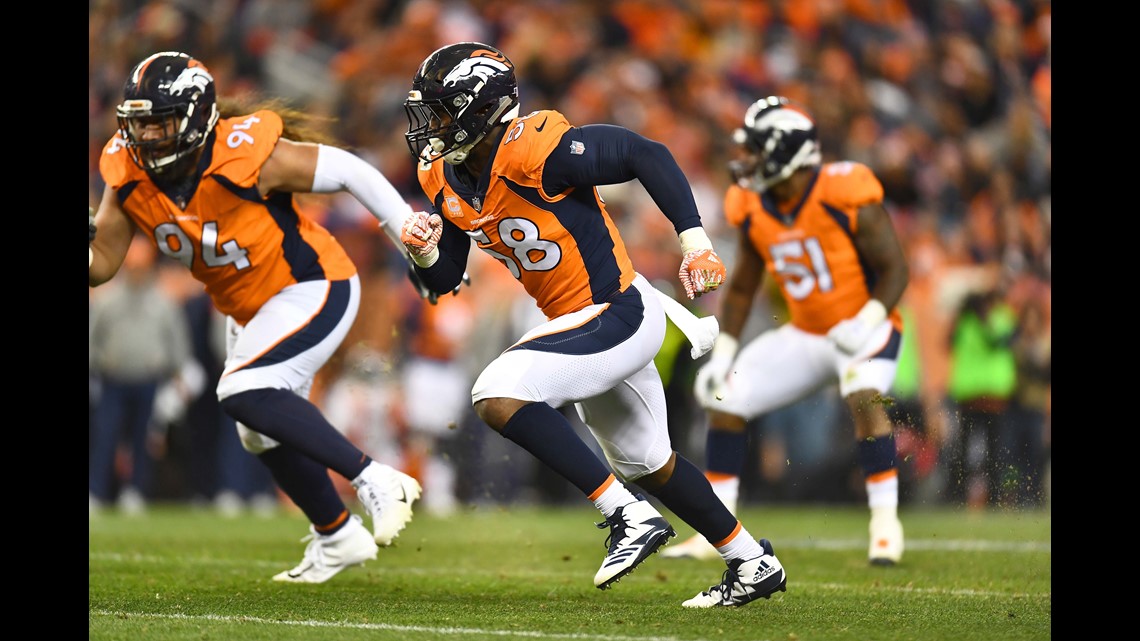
(479, 65)
(196, 77)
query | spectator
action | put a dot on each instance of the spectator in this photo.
(138, 341)
(983, 377)
(1025, 439)
(221, 471)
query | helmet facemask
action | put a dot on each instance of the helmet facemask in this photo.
(442, 128)
(159, 154)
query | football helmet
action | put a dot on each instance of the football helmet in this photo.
(458, 95)
(780, 138)
(169, 108)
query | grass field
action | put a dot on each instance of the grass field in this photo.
(526, 573)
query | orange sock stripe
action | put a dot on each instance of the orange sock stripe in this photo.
(728, 539)
(334, 525)
(883, 476)
(601, 488)
(715, 477)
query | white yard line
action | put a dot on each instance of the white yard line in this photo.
(344, 625)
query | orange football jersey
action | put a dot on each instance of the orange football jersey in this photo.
(242, 247)
(564, 248)
(811, 250)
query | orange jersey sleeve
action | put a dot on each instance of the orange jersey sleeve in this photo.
(738, 203)
(849, 186)
(564, 248)
(811, 251)
(243, 247)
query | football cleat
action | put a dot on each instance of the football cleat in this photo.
(387, 494)
(886, 541)
(326, 555)
(694, 547)
(636, 531)
(745, 581)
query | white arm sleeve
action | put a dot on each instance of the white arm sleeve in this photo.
(339, 170)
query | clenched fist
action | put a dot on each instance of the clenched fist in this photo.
(420, 234)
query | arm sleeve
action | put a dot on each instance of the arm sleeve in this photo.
(339, 170)
(615, 155)
(446, 273)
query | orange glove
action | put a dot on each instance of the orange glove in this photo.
(702, 271)
(420, 235)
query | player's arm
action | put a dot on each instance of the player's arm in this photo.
(611, 155)
(879, 246)
(438, 251)
(614, 155)
(311, 167)
(113, 233)
(741, 287)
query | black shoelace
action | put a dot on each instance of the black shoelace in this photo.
(728, 580)
(617, 525)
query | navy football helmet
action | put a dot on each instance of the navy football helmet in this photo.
(458, 95)
(169, 108)
(780, 139)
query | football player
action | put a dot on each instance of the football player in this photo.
(215, 192)
(524, 190)
(821, 231)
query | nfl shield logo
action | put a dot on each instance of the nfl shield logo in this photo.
(577, 148)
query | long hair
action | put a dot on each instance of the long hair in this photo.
(299, 126)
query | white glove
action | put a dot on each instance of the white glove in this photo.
(712, 377)
(420, 235)
(850, 335)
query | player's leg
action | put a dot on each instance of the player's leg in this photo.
(269, 370)
(562, 361)
(864, 381)
(774, 370)
(638, 448)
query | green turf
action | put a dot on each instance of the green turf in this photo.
(527, 573)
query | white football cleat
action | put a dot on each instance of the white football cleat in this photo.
(694, 547)
(326, 555)
(637, 530)
(745, 581)
(886, 541)
(387, 494)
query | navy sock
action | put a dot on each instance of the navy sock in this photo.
(688, 494)
(307, 483)
(291, 420)
(726, 451)
(877, 454)
(544, 432)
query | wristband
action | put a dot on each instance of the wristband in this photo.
(725, 346)
(694, 239)
(426, 261)
(873, 313)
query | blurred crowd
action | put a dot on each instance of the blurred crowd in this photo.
(948, 101)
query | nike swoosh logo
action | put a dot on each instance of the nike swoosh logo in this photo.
(403, 494)
(539, 128)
